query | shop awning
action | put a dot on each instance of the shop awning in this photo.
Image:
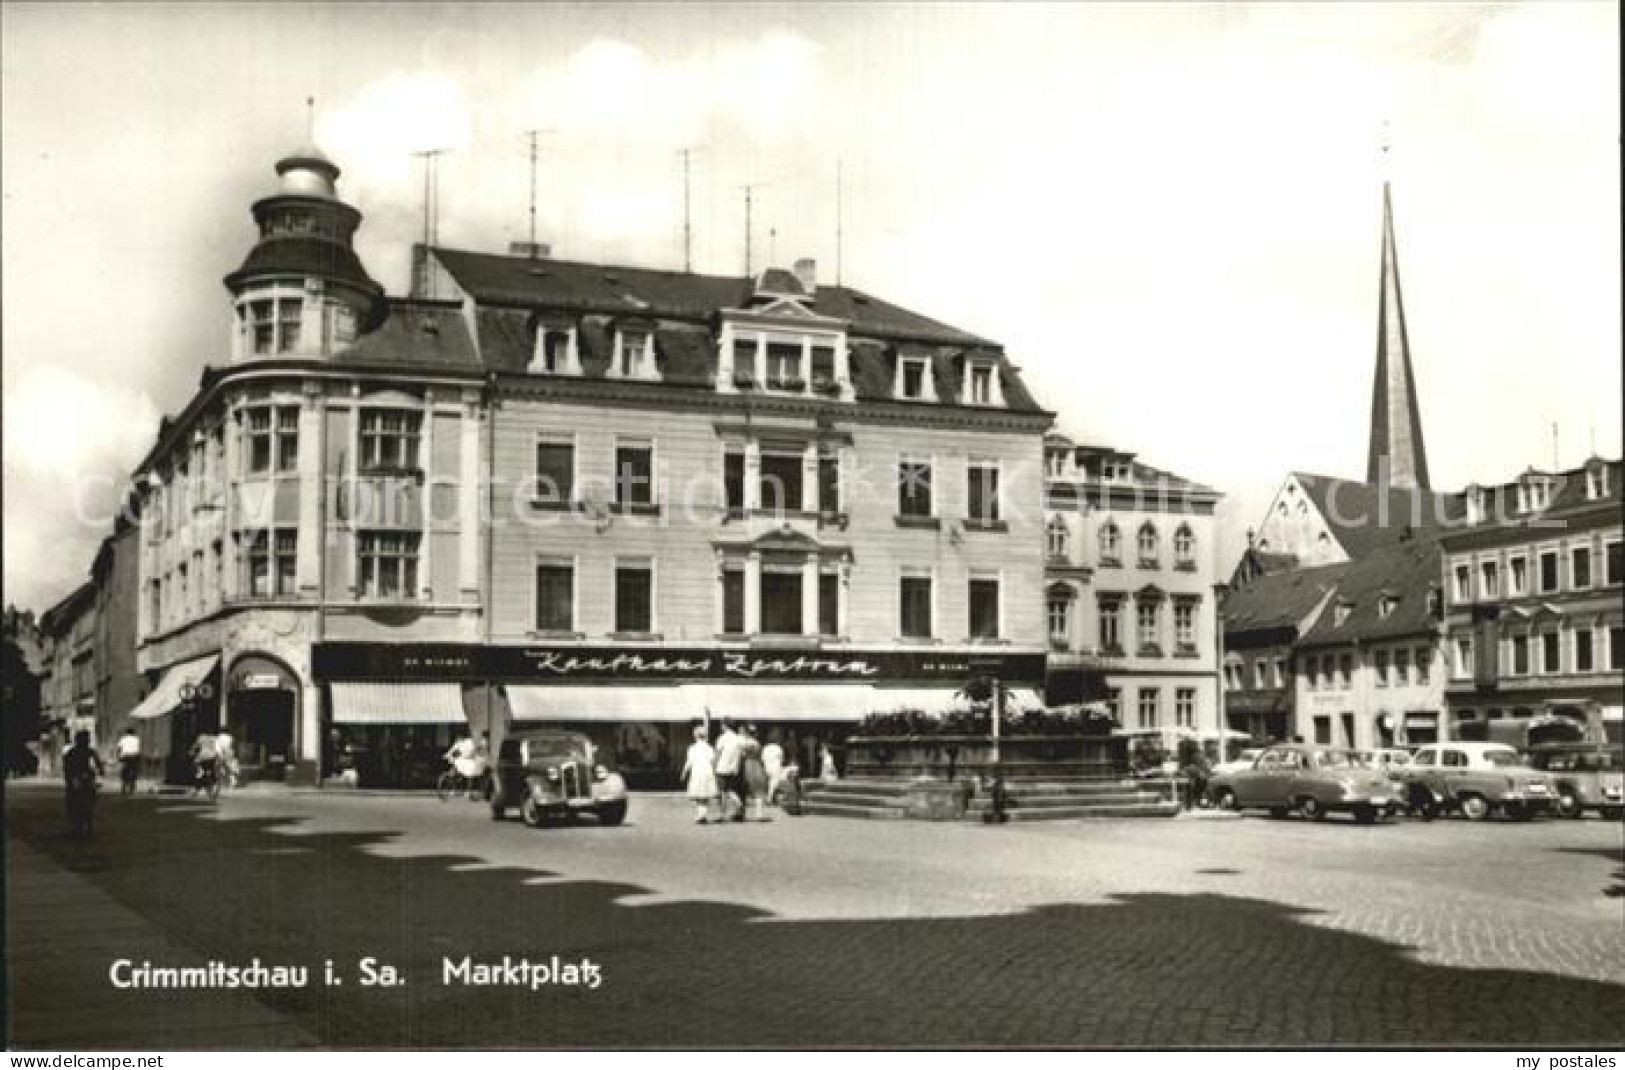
(167, 695)
(400, 704)
(603, 702)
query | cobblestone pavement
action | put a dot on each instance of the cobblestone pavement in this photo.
(826, 932)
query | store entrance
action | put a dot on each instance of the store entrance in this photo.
(261, 722)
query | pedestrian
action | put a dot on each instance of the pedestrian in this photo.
(700, 776)
(129, 760)
(226, 747)
(730, 754)
(205, 760)
(826, 764)
(773, 762)
(81, 768)
(753, 775)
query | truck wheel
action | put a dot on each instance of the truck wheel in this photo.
(612, 813)
(531, 814)
(1567, 804)
(1474, 808)
(1310, 807)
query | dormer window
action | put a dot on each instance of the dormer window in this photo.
(634, 359)
(1532, 495)
(555, 352)
(1340, 613)
(982, 383)
(1475, 505)
(1596, 482)
(784, 366)
(1385, 606)
(1057, 464)
(914, 378)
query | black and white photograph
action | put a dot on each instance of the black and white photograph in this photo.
(797, 527)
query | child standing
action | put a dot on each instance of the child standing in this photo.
(700, 775)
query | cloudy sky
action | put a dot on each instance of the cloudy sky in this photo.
(1169, 215)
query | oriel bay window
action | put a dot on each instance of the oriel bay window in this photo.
(555, 595)
(781, 480)
(634, 472)
(270, 563)
(555, 469)
(984, 607)
(915, 605)
(634, 596)
(389, 438)
(914, 489)
(781, 599)
(982, 492)
(388, 564)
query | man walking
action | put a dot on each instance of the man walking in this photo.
(129, 760)
(730, 756)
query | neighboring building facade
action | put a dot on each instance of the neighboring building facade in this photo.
(1263, 620)
(119, 686)
(1533, 583)
(1130, 593)
(68, 679)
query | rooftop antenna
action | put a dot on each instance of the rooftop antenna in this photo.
(534, 137)
(431, 218)
(310, 121)
(747, 231)
(839, 229)
(772, 246)
(1554, 446)
(688, 227)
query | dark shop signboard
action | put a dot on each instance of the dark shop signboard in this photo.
(539, 664)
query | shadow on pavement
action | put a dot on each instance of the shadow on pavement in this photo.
(1146, 970)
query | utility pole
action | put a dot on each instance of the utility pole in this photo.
(688, 223)
(839, 223)
(747, 231)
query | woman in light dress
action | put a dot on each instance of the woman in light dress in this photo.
(700, 775)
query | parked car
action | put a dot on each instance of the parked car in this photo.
(1478, 779)
(1241, 761)
(1310, 779)
(1585, 776)
(547, 772)
(1392, 762)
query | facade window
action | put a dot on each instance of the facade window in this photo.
(914, 488)
(1185, 707)
(829, 603)
(270, 562)
(984, 608)
(1463, 581)
(555, 470)
(781, 601)
(634, 596)
(1146, 625)
(1060, 620)
(1520, 655)
(1340, 614)
(1464, 657)
(784, 366)
(555, 351)
(733, 479)
(1149, 700)
(1057, 464)
(1114, 704)
(1614, 563)
(982, 491)
(634, 477)
(1489, 579)
(1260, 677)
(1111, 625)
(288, 315)
(1111, 543)
(1518, 577)
(183, 601)
(634, 353)
(914, 373)
(829, 483)
(1596, 482)
(1311, 673)
(745, 358)
(1551, 652)
(389, 564)
(262, 326)
(1583, 657)
(1185, 625)
(1148, 545)
(555, 596)
(1580, 567)
(1345, 670)
(389, 438)
(1058, 539)
(1184, 548)
(733, 601)
(1548, 571)
(272, 435)
(823, 365)
(1616, 647)
(915, 595)
(1379, 666)
(1402, 668)
(780, 489)
(1424, 660)
(287, 439)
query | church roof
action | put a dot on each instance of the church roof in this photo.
(1396, 421)
(1362, 516)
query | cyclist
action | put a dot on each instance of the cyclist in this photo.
(81, 768)
(226, 748)
(129, 760)
(466, 759)
(206, 759)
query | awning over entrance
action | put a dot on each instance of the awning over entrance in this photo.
(167, 695)
(398, 704)
(605, 702)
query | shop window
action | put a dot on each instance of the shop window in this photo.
(634, 597)
(555, 596)
(389, 439)
(634, 475)
(915, 596)
(781, 482)
(389, 564)
(982, 492)
(781, 601)
(555, 470)
(914, 489)
(984, 608)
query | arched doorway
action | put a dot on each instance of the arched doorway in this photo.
(262, 712)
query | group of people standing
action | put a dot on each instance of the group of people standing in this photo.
(737, 778)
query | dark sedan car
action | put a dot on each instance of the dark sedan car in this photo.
(547, 772)
(1311, 780)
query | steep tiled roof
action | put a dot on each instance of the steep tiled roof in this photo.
(1363, 516)
(1279, 600)
(1500, 501)
(416, 333)
(618, 290)
(1404, 571)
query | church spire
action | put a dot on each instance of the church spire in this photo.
(1397, 454)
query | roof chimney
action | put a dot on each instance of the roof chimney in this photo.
(807, 274)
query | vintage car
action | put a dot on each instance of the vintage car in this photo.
(1244, 760)
(1585, 776)
(547, 772)
(1312, 780)
(1478, 778)
(1391, 762)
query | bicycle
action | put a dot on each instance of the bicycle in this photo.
(207, 780)
(127, 776)
(451, 782)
